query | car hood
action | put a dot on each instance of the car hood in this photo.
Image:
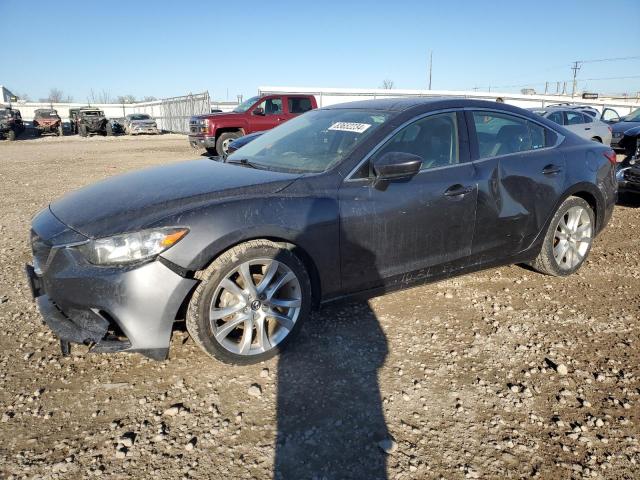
(620, 127)
(142, 199)
(216, 115)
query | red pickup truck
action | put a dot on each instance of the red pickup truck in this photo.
(214, 131)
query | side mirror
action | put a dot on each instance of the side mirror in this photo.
(396, 165)
(258, 111)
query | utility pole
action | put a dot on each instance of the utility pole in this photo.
(430, 67)
(577, 65)
(546, 87)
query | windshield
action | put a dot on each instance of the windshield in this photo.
(312, 142)
(139, 116)
(92, 113)
(46, 113)
(633, 116)
(246, 105)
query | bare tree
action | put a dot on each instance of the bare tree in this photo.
(149, 98)
(126, 99)
(24, 97)
(99, 97)
(57, 96)
(387, 84)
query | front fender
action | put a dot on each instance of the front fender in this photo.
(309, 223)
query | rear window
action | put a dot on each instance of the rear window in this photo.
(299, 104)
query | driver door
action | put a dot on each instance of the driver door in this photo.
(414, 227)
(272, 114)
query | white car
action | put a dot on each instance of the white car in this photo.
(578, 122)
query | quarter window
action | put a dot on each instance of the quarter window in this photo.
(503, 134)
(299, 104)
(433, 138)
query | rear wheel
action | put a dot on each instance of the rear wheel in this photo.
(568, 239)
(82, 130)
(250, 303)
(108, 130)
(223, 141)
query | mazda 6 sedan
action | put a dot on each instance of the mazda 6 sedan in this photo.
(358, 198)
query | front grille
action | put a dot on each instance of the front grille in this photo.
(41, 252)
(632, 175)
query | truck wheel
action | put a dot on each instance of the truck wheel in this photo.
(109, 130)
(82, 130)
(38, 132)
(222, 144)
(60, 131)
(11, 135)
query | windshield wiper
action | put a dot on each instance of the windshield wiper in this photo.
(244, 162)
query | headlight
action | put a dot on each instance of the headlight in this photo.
(131, 247)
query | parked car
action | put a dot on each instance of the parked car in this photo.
(92, 120)
(47, 120)
(11, 124)
(607, 115)
(136, 123)
(629, 123)
(73, 115)
(355, 199)
(578, 122)
(242, 141)
(628, 176)
(214, 131)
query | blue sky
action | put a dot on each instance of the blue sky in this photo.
(167, 48)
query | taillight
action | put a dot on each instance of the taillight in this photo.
(611, 156)
(610, 129)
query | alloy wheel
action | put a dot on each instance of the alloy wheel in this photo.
(255, 306)
(572, 238)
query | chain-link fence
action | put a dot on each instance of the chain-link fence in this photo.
(172, 114)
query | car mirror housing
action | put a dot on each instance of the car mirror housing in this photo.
(396, 165)
(258, 111)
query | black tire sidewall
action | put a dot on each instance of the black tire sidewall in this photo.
(222, 138)
(223, 268)
(548, 241)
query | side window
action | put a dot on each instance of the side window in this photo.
(574, 118)
(556, 117)
(588, 118)
(271, 106)
(609, 114)
(503, 134)
(299, 104)
(434, 138)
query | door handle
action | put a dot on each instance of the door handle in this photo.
(551, 170)
(587, 128)
(457, 190)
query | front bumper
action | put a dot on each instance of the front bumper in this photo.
(149, 130)
(202, 141)
(110, 308)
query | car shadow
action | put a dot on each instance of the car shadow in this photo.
(629, 200)
(329, 410)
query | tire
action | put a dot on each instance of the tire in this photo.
(597, 139)
(223, 141)
(11, 135)
(108, 130)
(60, 131)
(82, 130)
(576, 246)
(224, 338)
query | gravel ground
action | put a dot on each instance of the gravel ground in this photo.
(503, 373)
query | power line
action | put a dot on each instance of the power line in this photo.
(617, 59)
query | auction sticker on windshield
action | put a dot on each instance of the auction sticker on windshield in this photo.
(350, 127)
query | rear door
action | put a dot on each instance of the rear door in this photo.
(296, 105)
(520, 179)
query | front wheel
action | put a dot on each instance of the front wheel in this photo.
(11, 135)
(568, 239)
(223, 141)
(250, 303)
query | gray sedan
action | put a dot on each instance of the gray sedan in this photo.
(136, 123)
(580, 123)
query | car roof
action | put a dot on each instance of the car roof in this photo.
(402, 104)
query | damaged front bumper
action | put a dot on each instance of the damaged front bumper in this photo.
(112, 309)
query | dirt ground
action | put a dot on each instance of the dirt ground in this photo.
(504, 373)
